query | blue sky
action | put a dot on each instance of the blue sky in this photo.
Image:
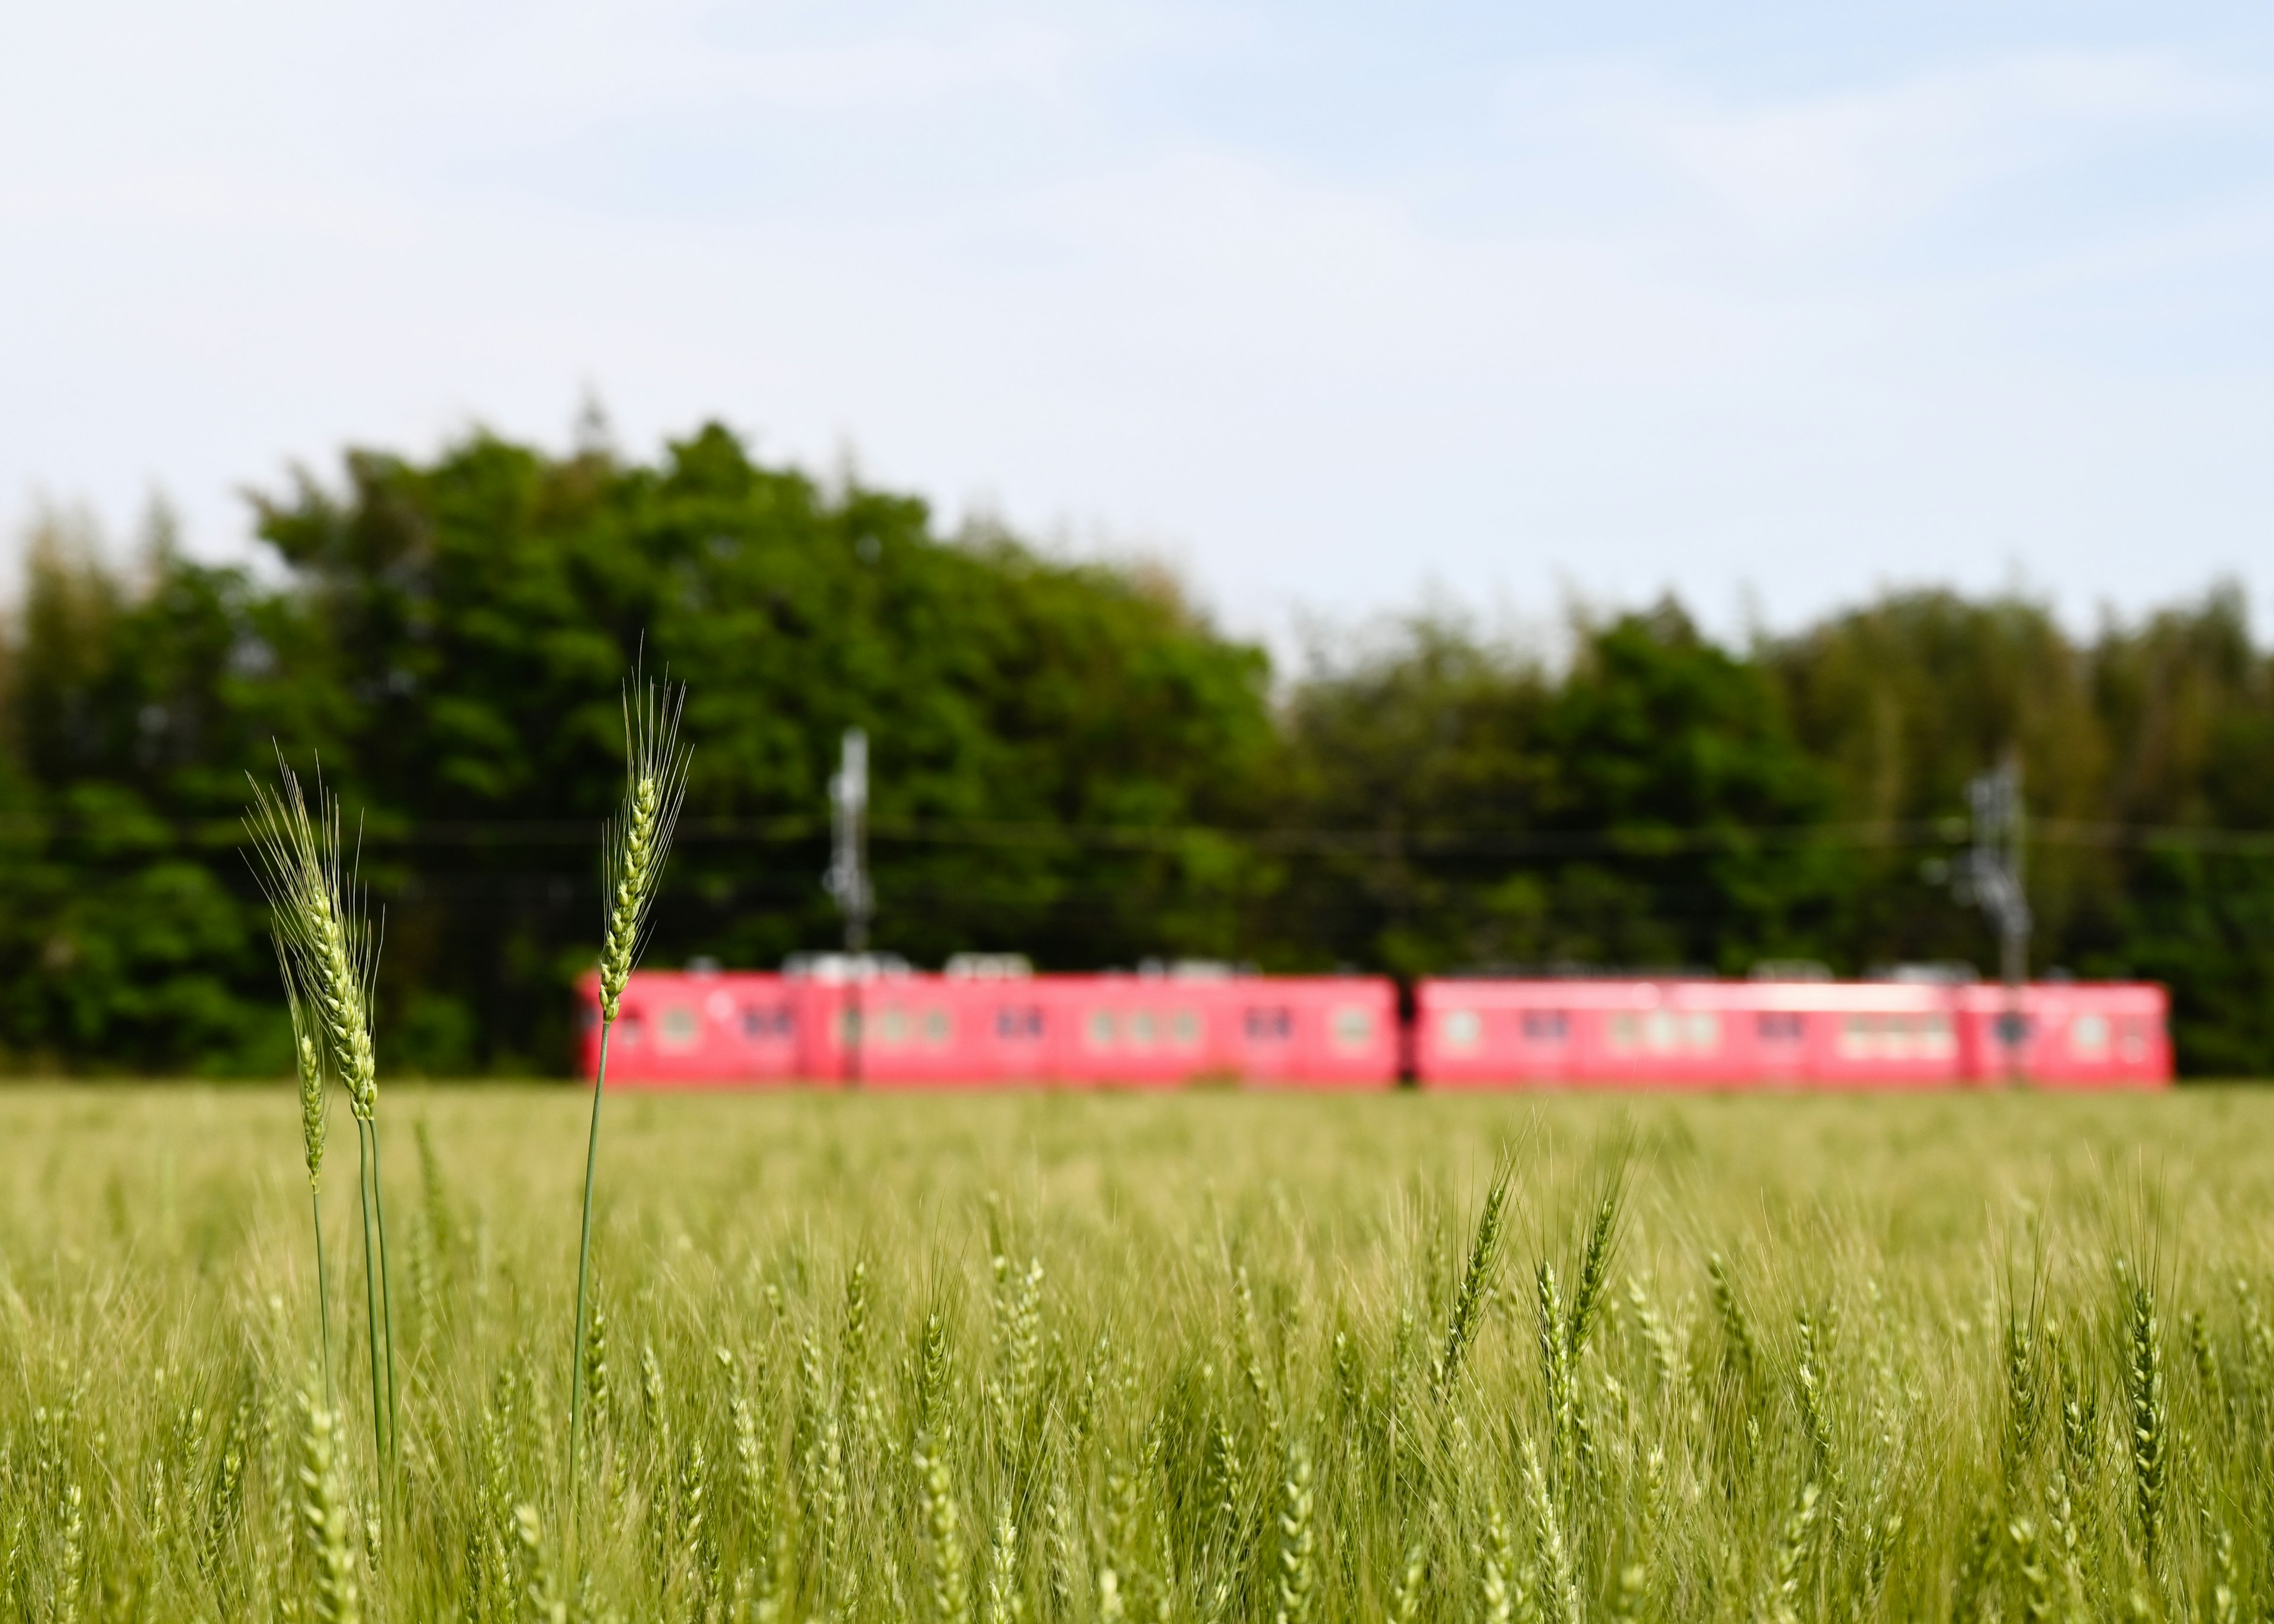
(1341, 308)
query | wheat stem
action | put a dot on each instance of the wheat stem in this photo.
(633, 849)
(584, 1268)
(323, 1298)
(385, 1294)
(370, 1289)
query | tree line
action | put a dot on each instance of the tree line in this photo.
(1070, 760)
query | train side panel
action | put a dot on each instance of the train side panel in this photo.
(1312, 1032)
(1471, 1035)
(685, 1030)
(2079, 1034)
(682, 1030)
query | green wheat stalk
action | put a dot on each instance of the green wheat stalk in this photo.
(1477, 1277)
(308, 1056)
(316, 906)
(327, 1519)
(2150, 1442)
(634, 844)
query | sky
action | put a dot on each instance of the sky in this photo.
(1343, 310)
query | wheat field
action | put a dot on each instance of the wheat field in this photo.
(1210, 1357)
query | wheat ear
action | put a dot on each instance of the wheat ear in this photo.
(2151, 1452)
(634, 846)
(308, 1056)
(316, 906)
(325, 1517)
(1476, 1279)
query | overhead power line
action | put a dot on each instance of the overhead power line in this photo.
(383, 834)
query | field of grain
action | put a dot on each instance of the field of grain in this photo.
(1204, 1358)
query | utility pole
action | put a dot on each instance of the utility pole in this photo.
(1993, 875)
(848, 879)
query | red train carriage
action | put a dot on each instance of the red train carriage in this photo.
(693, 1029)
(2077, 1034)
(1484, 1034)
(913, 1031)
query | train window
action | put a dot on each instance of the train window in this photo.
(1100, 1028)
(629, 1031)
(1140, 1029)
(1462, 1030)
(1272, 1025)
(1664, 1032)
(1018, 1023)
(1781, 1026)
(2135, 1039)
(1352, 1028)
(1184, 1029)
(679, 1027)
(1546, 1027)
(762, 1021)
(2088, 1036)
(892, 1027)
(938, 1028)
(1896, 1037)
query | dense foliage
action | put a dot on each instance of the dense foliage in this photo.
(1071, 761)
(870, 1360)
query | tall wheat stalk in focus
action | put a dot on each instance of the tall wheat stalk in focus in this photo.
(308, 1058)
(333, 957)
(634, 844)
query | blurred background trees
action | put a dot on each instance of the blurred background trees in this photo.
(1070, 760)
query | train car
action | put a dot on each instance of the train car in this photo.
(1693, 1034)
(2069, 1034)
(901, 1030)
(1108, 1031)
(917, 1030)
(1799, 1035)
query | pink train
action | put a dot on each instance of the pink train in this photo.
(1716, 1034)
(736, 1029)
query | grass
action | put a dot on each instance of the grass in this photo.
(1215, 1356)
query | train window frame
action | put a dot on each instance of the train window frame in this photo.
(1780, 1029)
(766, 1023)
(1268, 1023)
(1546, 1028)
(2134, 1033)
(1349, 1029)
(679, 1029)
